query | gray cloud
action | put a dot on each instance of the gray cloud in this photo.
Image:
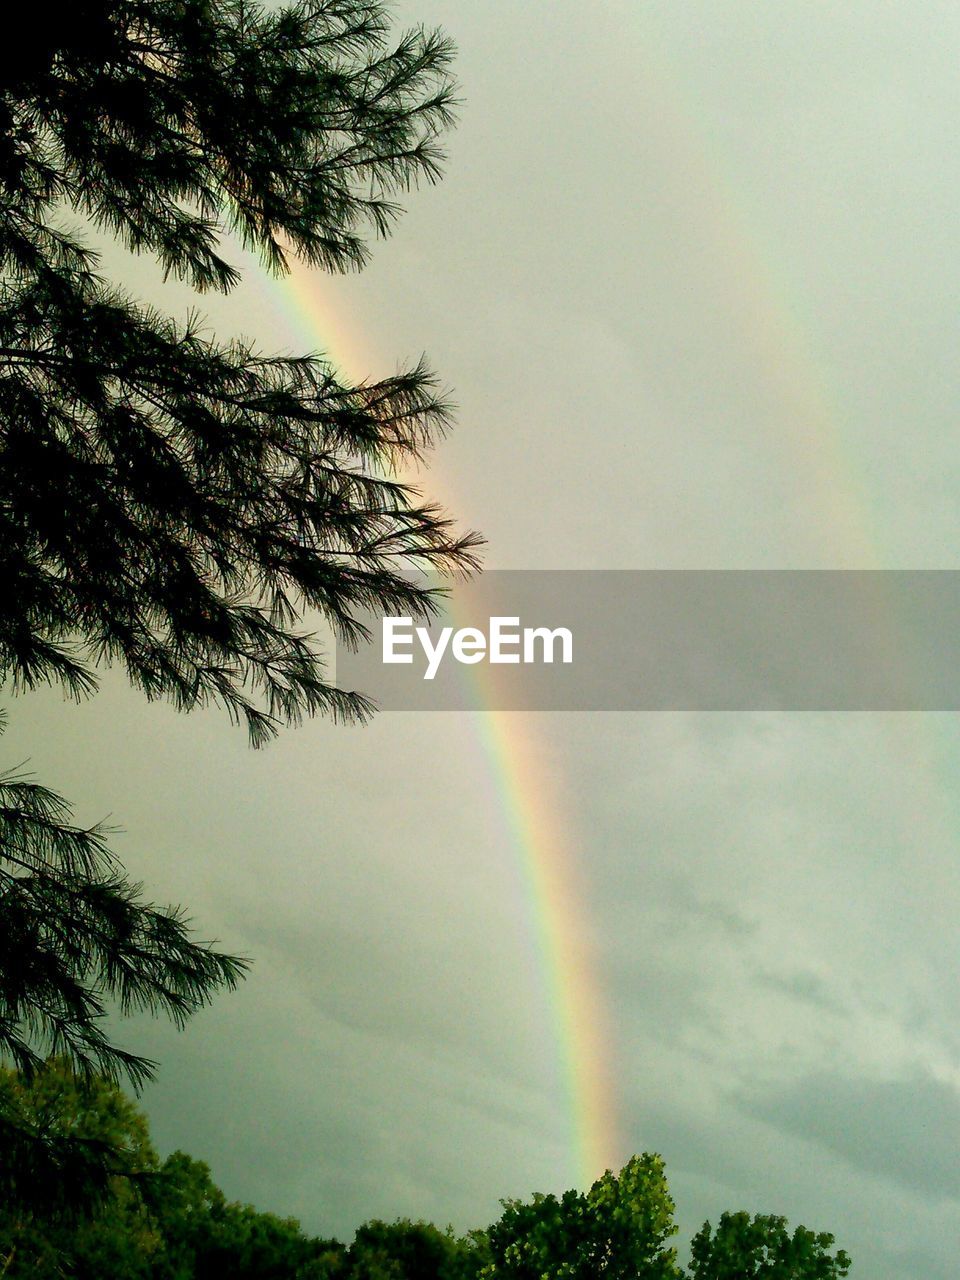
(904, 1130)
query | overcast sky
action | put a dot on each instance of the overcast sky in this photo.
(693, 277)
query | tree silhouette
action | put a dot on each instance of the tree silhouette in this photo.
(170, 502)
(75, 933)
(167, 501)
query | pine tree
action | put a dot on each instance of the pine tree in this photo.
(170, 502)
(167, 501)
(75, 933)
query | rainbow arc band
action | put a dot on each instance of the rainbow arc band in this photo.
(541, 835)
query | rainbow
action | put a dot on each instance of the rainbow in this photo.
(539, 830)
(766, 308)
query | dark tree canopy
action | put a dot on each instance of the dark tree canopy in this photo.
(69, 1143)
(167, 501)
(405, 1250)
(166, 120)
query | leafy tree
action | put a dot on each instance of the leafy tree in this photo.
(153, 1220)
(618, 1229)
(405, 1250)
(634, 1216)
(77, 1208)
(238, 1242)
(147, 1220)
(762, 1248)
(184, 1201)
(167, 501)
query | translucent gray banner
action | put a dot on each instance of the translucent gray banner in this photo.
(749, 640)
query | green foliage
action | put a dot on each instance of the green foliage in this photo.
(762, 1248)
(77, 937)
(140, 1219)
(75, 1156)
(184, 1202)
(236, 1242)
(405, 1250)
(137, 1219)
(619, 1228)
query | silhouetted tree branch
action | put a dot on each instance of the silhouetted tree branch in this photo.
(169, 502)
(76, 936)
